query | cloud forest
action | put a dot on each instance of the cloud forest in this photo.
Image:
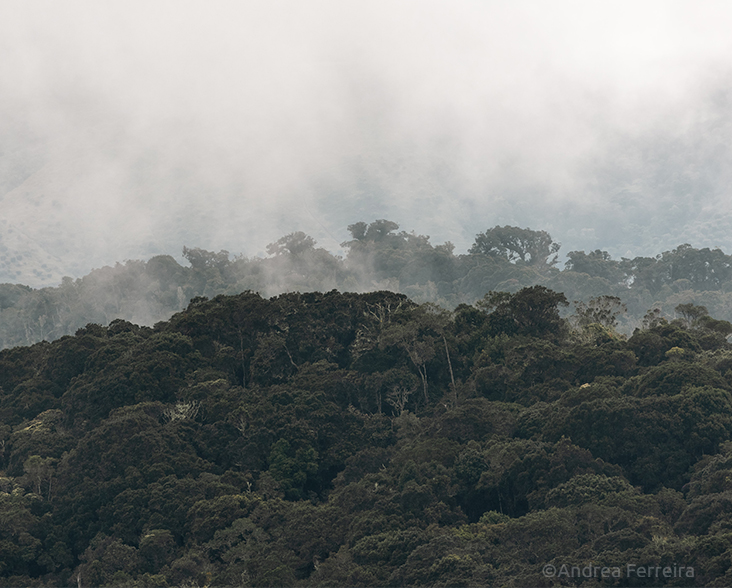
(402, 416)
(365, 294)
(379, 256)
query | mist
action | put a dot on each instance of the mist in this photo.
(131, 129)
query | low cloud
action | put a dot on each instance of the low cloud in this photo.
(135, 128)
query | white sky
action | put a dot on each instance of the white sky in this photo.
(229, 124)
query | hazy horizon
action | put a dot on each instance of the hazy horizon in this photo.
(132, 129)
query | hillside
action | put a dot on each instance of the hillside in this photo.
(365, 440)
(379, 257)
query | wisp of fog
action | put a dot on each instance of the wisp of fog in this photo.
(133, 128)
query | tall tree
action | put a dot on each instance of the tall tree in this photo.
(516, 244)
(531, 311)
(294, 243)
(602, 310)
(595, 263)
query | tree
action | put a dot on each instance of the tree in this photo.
(691, 313)
(713, 333)
(376, 232)
(398, 397)
(294, 244)
(516, 244)
(419, 347)
(40, 472)
(602, 310)
(292, 467)
(358, 230)
(652, 319)
(157, 548)
(201, 259)
(645, 273)
(706, 269)
(531, 311)
(595, 263)
(380, 229)
(418, 337)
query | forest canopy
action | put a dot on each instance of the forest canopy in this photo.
(345, 439)
(378, 257)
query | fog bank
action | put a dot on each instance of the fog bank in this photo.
(131, 129)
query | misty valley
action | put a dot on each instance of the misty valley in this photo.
(365, 294)
(399, 416)
(379, 257)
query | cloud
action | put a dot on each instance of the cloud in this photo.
(139, 127)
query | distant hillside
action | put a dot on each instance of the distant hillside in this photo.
(80, 201)
(379, 257)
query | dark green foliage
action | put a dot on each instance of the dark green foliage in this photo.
(328, 439)
(533, 311)
(672, 378)
(650, 346)
(292, 467)
(655, 439)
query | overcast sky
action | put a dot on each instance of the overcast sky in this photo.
(134, 128)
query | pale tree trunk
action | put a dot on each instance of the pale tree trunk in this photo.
(452, 376)
(422, 369)
(243, 365)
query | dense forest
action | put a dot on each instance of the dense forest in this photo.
(378, 257)
(345, 439)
